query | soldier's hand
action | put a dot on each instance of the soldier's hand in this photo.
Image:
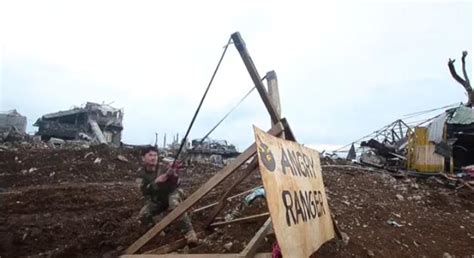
(161, 178)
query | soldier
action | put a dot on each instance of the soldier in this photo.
(159, 186)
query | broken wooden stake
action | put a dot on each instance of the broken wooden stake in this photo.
(240, 220)
(251, 248)
(228, 199)
(171, 247)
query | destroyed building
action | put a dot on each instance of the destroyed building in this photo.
(214, 151)
(446, 144)
(93, 122)
(12, 125)
(210, 146)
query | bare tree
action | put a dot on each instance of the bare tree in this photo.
(464, 82)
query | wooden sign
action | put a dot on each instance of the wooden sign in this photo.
(295, 194)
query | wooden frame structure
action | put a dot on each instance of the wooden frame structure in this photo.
(280, 128)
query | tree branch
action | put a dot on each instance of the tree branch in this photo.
(454, 74)
(466, 79)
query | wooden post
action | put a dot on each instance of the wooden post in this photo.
(240, 45)
(252, 246)
(273, 91)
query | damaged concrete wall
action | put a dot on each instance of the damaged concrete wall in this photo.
(12, 121)
(100, 123)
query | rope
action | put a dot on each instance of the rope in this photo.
(429, 111)
(226, 115)
(200, 103)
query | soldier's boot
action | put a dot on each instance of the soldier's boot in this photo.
(191, 238)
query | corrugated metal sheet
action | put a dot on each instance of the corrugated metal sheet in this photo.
(421, 156)
(462, 115)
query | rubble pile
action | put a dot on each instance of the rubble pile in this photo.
(84, 202)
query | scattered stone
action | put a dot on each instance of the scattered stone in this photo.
(447, 255)
(394, 223)
(400, 197)
(416, 197)
(122, 158)
(88, 154)
(228, 246)
(344, 239)
(97, 161)
(31, 170)
(370, 253)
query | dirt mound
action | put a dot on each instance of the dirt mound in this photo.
(89, 207)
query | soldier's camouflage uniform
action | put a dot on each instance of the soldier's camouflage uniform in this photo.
(160, 197)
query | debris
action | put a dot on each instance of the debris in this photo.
(370, 253)
(257, 193)
(400, 197)
(240, 220)
(88, 154)
(93, 122)
(228, 246)
(97, 161)
(394, 223)
(12, 126)
(122, 158)
(31, 170)
(55, 142)
(447, 255)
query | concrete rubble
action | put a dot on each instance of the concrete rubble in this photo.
(95, 123)
(12, 126)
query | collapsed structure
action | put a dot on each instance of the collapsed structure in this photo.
(444, 143)
(12, 125)
(211, 150)
(93, 122)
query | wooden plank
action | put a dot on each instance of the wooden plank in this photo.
(228, 199)
(180, 256)
(222, 201)
(251, 248)
(240, 45)
(168, 248)
(196, 196)
(259, 255)
(239, 220)
(288, 132)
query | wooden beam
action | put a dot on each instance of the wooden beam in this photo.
(239, 220)
(273, 91)
(288, 132)
(259, 255)
(228, 199)
(198, 194)
(168, 248)
(251, 248)
(240, 45)
(222, 201)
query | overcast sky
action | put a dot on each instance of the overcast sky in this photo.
(344, 69)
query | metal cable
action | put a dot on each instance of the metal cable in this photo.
(200, 103)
